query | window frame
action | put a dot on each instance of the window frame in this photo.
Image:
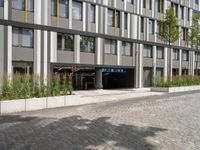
(81, 10)
(88, 48)
(111, 43)
(124, 50)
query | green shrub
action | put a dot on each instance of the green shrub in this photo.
(26, 86)
(179, 81)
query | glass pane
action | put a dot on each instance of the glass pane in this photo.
(113, 47)
(69, 42)
(117, 19)
(59, 41)
(27, 38)
(30, 5)
(110, 18)
(125, 20)
(15, 37)
(53, 7)
(63, 8)
(92, 14)
(77, 11)
(1, 3)
(87, 44)
(18, 4)
(107, 46)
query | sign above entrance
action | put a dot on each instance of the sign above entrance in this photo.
(114, 70)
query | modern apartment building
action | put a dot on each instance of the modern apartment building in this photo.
(113, 42)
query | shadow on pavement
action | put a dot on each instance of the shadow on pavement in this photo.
(72, 133)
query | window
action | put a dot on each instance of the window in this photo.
(20, 4)
(159, 73)
(185, 33)
(147, 51)
(92, 14)
(27, 38)
(1, 3)
(110, 47)
(175, 6)
(126, 21)
(65, 42)
(22, 67)
(188, 14)
(159, 6)
(77, 10)
(182, 12)
(63, 8)
(87, 44)
(15, 37)
(151, 26)
(22, 37)
(175, 54)
(126, 48)
(185, 55)
(128, 1)
(142, 24)
(160, 52)
(144, 3)
(197, 56)
(150, 4)
(111, 18)
(196, 1)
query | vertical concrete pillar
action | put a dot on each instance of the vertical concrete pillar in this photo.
(6, 9)
(171, 61)
(134, 28)
(147, 29)
(84, 16)
(180, 62)
(125, 4)
(98, 78)
(8, 52)
(129, 25)
(97, 18)
(154, 63)
(98, 47)
(1, 55)
(191, 62)
(122, 24)
(53, 47)
(77, 48)
(37, 11)
(70, 14)
(45, 57)
(119, 53)
(165, 63)
(37, 52)
(139, 65)
(105, 20)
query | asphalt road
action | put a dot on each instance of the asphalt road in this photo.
(170, 122)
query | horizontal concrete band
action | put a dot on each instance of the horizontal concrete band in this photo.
(85, 33)
(175, 89)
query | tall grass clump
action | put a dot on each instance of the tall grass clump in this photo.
(178, 81)
(27, 86)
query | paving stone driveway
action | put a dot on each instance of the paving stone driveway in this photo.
(170, 122)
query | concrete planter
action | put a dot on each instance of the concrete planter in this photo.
(36, 104)
(175, 89)
(57, 101)
(12, 106)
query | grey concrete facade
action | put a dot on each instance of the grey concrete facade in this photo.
(46, 27)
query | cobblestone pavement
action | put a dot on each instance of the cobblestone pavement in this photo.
(166, 122)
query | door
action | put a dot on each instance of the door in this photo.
(147, 77)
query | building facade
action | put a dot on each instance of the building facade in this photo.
(113, 42)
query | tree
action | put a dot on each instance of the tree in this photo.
(169, 32)
(194, 35)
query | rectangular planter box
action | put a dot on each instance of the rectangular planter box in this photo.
(36, 104)
(175, 89)
(57, 101)
(12, 106)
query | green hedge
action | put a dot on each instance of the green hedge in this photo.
(179, 81)
(25, 86)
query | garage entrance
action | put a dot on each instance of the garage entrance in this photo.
(118, 78)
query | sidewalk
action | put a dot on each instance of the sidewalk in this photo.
(97, 96)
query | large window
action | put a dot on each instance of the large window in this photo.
(63, 8)
(22, 37)
(87, 44)
(185, 55)
(110, 47)
(92, 14)
(127, 49)
(142, 24)
(65, 42)
(175, 54)
(160, 52)
(151, 26)
(20, 4)
(113, 18)
(1, 3)
(126, 21)
(197, 56)
(147, 51)
(77, 10)
(185, 34)
(182, 12)
(22, 67)
(159, 5)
